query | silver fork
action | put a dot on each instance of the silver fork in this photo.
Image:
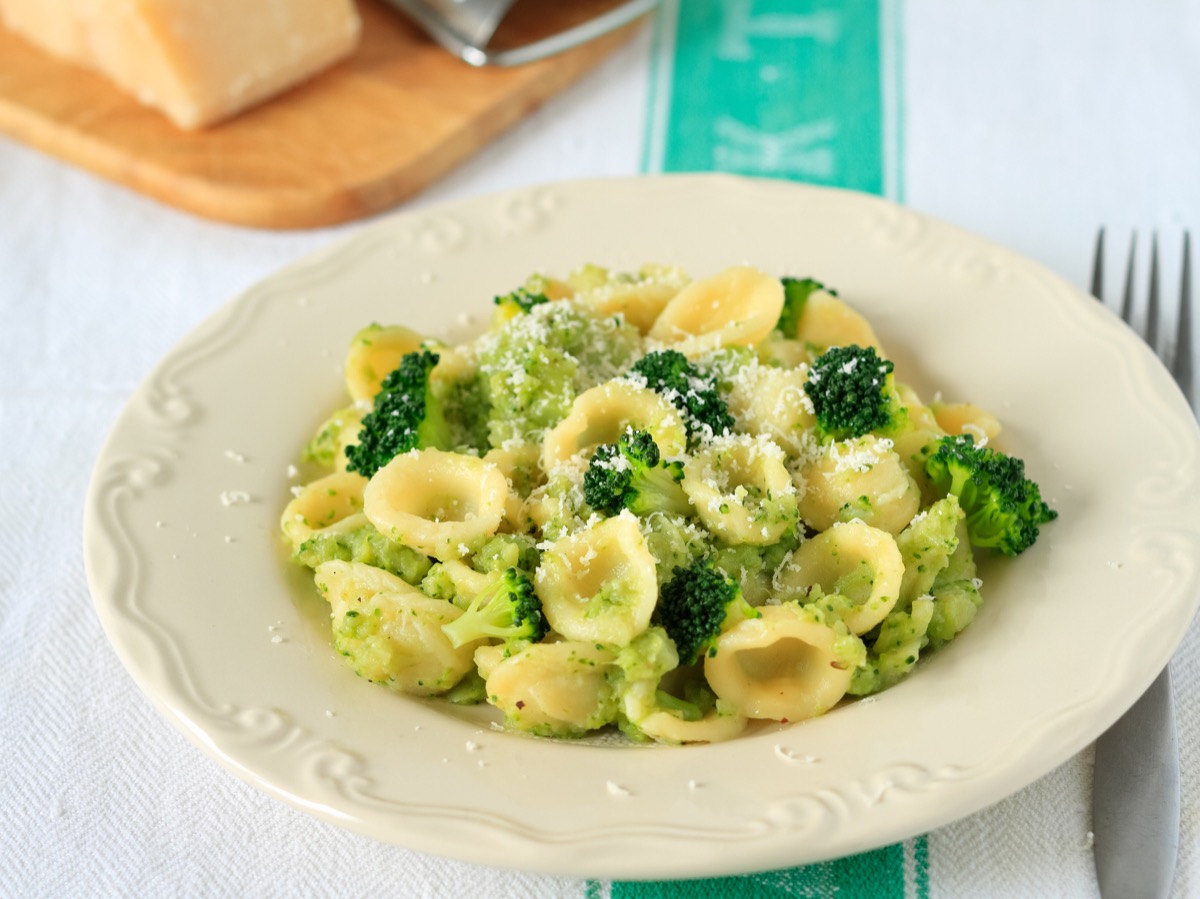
(1135, 792)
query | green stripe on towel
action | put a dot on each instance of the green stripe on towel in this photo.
(872, 875)
(900, 871)
(807, 91)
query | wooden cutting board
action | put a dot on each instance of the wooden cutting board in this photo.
(357, 139)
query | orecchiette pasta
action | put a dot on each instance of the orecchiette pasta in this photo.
(322, 503)
(828, 321)
(602, 414)
(443, 504)
(851, 560)
(784, 352)
(392, 631)
(771, 401)
(920, 416)
(863, 479)
(600, 583)
(345, 583)
(520, 467)
(901, 638)
(788, 665)
(374, 353)
(557, 507)
(967, 418)
(742, 490)
(640, 501)
(556, 689)
(467, 581)
(714, 727)
(926, 547)
(639, 300)
(738, 307)
(340, 430)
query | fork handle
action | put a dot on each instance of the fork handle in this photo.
(1135, 807)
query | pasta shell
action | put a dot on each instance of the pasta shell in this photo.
(557, 689)
(741, 489)
(343, 584)
(784, 666)
(736, 307)
(520, 466)
(853, 560)
(374, 353)
(442, 504)
(967, 418)
(599, 585)
(771, 401)
(862, 479)
(322, 503)
(712, 728)
(391, 632)
(639, 300)
(828, 321)
(602, 414)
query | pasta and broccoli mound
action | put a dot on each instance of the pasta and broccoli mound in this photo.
(643, 501)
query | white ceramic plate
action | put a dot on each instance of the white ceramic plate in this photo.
(190, 581)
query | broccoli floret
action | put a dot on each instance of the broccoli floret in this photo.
(696, 605)
(406, 416)
(896, 647)
(635, 676)
(519, 302)
(438, 584)
(753, 566)
(954, 606)
(1003, 507)
(557, 508)
(630, 474)
(533, 368)
(508, 609)
(668, 372)
(471, 690)
(927, 545)
(366, 545)
(673, 540)
(688, 711)
(796, 292)
(465, 407)
(507, 551)
(853, 393)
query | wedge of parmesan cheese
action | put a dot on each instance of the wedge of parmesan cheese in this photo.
(198, 61)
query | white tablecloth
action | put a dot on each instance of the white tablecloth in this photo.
(1032, 124)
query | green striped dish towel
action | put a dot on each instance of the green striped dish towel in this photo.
(807, 91)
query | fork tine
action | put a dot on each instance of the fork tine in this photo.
(1152, 300)
(1184, 361)
(1127, 298)
(1098, 267)
(1179, 355)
